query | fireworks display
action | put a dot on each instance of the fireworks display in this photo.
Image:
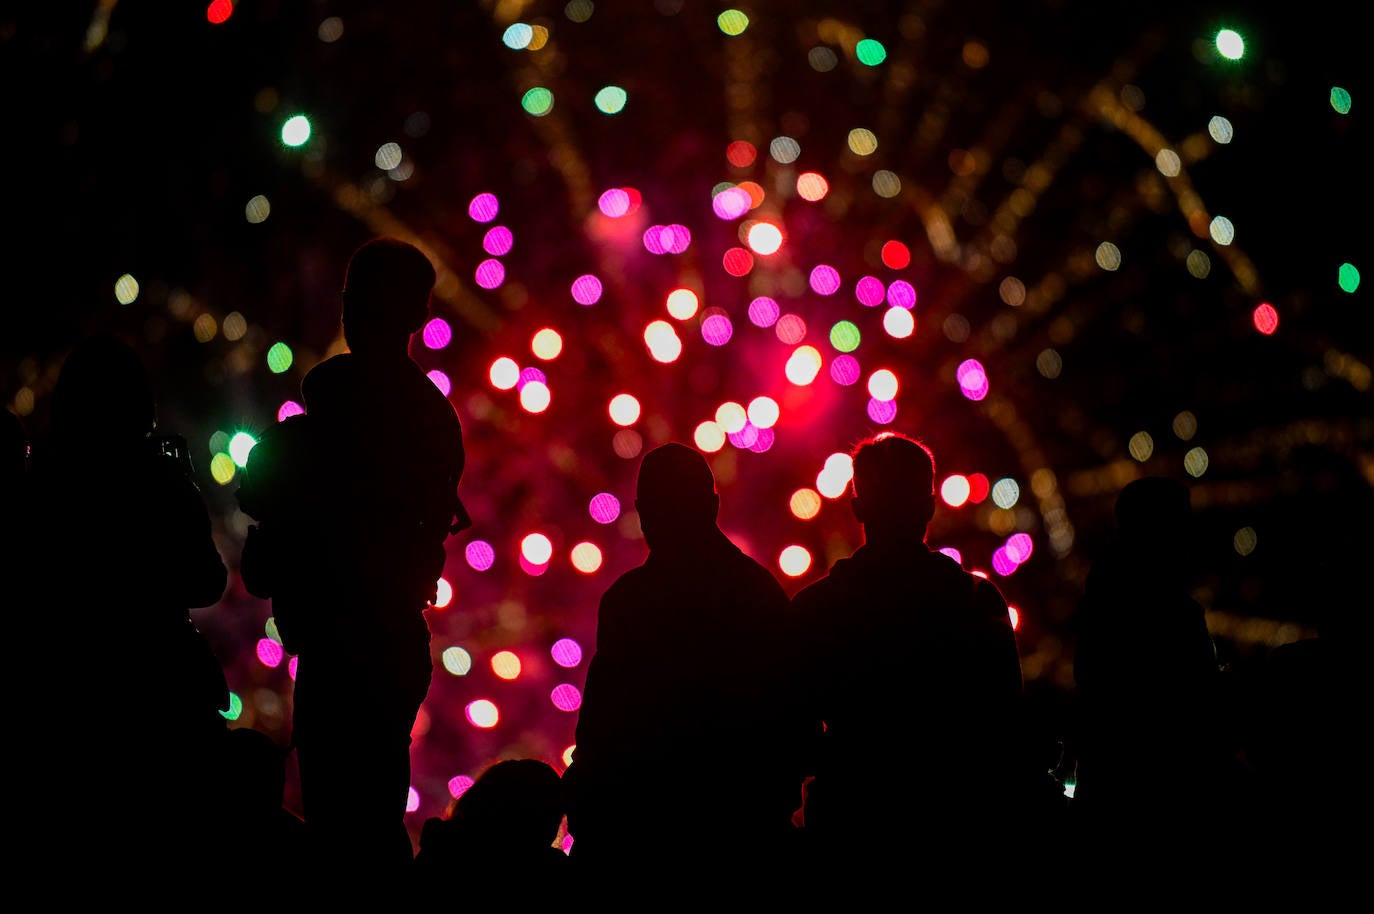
(1063, 243)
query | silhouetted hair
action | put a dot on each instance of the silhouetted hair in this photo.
(515, 800)
(894, 465)
(386, 291)
(1154, 506)
(103, 390)
(674, 474)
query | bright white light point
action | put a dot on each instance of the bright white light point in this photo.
(445, 594)
(1168, 163)
(504, 374)
(794, 561)
(765, 238)
(296, 130)
(1230, 44)
(388, 156)
(731, 417)
(955, 491)
(239, 447)
(535, 397)
(683, 303)
(412, 799)
(457, 661)
(803, 365)
(763, 412)
(709, 437)
(482, 713)
(882, 385)
(899, 323)
(1222, 231)
(547, 344)
(537, 549)
(624, 409)
(126, 289)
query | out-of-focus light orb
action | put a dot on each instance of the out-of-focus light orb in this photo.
(611, 100)
(896, 255)
(535, 397)
(790, 329)
(709, 437)
(663, 342)
(737, 261)
(763, 412)
(765, 238)
(812, 186)
(978, 488)
(1168, 163)
(835, 475)
(205, 327)
(483, 207)
(1340, 100)
(222, 468)
(1348, 278)
(1108, 256)
(506, 665)
(479, 555)
(614, 202)
(219, 11)
(440, 380)
(1245, 540)
(862, 141)
(517, 36)
(586, 289)
(1049, 363)
(1265, 318)
(745, 438)
(257, 209)
(882, 385)
(1141, 446)
(624, 409)
(731, 203)
(459, 785)
(1002, 563)
(1019, 547)
(437, 333)
(1220, 130)
(537, 101)
(1014, 615)
(731, 417)
(870, 291)
(240, 446)
(1222, 231)
(898, 323)
(784, 150)
(972, 378)
(604, 508)
(953, 553)
(126, 289)
(741, 154)
(676, 238)
(270, 652)
(1195, 462)
(388, 156)
(586, 558)
(822, 59)
(539, 38)
(288, 409)
(236, 703)
(825, 279)
(566, 652)
(805, 504)
(882, 412)
(870, 52)
(901, 294)
(547, 344)
(490, 273)
(330, 30)
(504, 373)
(732, 22)
(795, 561)
(579, 10)
(482, 713)
(1185, 425)
(845, 370)
(683, 304)
(566, 697)
(1230, 44)
(955, 490)
(803, 365)
(1005, 493)
(886, 184)
(716, 328)
(456, 660)
(536, 548)
(763, 312)
(279, 358)
(498, 241)
(844, 336)
(295, 131)
(443, 595)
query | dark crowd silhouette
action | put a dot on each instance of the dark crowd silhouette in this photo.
(869, 740)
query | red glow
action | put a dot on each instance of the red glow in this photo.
(741, 154)
(978, 487)
(219, 11)
(1266, 318)
(896, 256)
(738, 261)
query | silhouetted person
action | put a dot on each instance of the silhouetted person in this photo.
(251, 821)
(498, 838)
(1152, 760)
(688, 761)
(129, 695)
(353, 502)
(913, 666)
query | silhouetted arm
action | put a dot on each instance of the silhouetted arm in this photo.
(192, 569)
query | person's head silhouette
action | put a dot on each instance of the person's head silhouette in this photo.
(102, 396)
(516, 802)
(894, 488)
(386, 295)
(675, 495)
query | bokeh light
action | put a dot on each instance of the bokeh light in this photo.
(506, 665)
(482, 713)
(586, 557)
(803, 365)
(624, 409)
(794, 561)
(955, 490)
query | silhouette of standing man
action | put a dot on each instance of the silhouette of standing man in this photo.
(354, 500)
(688, 760)
(914, 669)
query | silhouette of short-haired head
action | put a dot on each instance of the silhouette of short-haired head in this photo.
(675, 495)
(386, 294)
(894, 485)
(102, 394)
(516, 802)
(1153, 508)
